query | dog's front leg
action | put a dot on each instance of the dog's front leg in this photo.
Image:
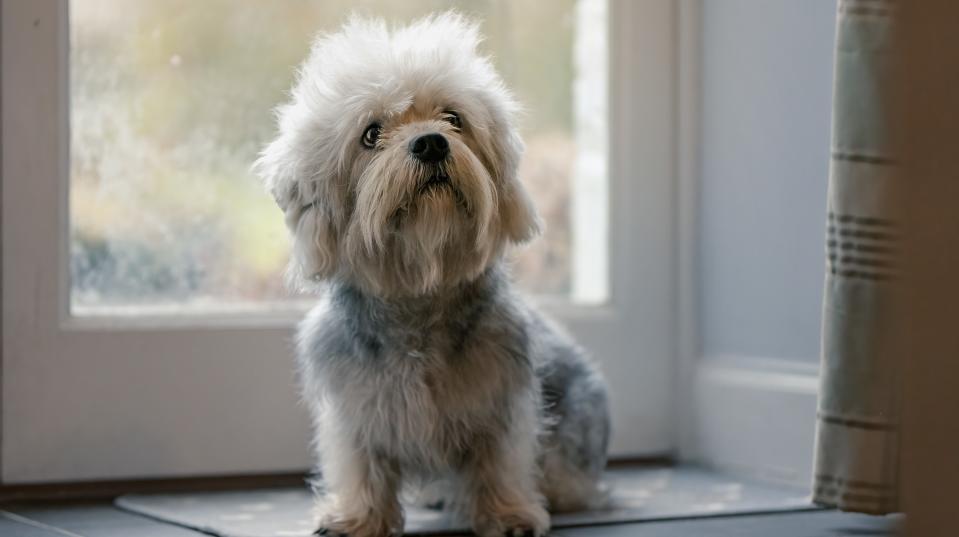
(501, 488)
(361, 496)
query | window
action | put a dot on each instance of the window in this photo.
(145, 330)
(170, 102)
(145, 325)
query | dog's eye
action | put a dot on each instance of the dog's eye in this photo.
(453, 119)
(371, 135)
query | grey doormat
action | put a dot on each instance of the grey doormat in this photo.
(638, 494)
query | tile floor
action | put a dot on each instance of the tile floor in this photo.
(101, 519)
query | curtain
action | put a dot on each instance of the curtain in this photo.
(859, 415)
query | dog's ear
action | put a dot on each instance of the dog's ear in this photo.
(277, 168)
(518, 216)
(307, 215)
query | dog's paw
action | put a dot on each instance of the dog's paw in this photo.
(370, 528)
(366, 527)
(333, 522)
(529, 520)
(520, 531)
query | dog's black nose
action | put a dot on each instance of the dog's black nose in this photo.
(431, 147)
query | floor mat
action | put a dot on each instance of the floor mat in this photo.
(637, 494)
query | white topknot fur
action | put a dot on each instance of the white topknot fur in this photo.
(395, 166)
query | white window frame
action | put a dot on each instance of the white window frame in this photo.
(86, 399)
(753, 416)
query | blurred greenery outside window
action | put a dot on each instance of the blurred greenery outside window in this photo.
(172, 99)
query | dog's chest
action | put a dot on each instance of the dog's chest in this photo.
(422, 386)
(421, 403)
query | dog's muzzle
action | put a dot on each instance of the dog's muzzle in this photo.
(430, 148)
(435, 181)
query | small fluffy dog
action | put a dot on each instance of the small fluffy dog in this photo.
(395, 166)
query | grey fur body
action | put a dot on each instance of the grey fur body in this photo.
(432, 386)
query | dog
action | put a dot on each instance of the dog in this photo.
(395, 165)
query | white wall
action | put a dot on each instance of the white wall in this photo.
(766, 103)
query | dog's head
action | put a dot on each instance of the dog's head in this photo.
(396, 159)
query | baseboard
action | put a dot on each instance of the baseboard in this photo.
(100, 490)
(755, 417)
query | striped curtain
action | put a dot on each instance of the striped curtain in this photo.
(858, 433)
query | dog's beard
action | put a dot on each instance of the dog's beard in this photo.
(418, 227)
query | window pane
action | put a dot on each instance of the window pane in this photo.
(172, 99)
